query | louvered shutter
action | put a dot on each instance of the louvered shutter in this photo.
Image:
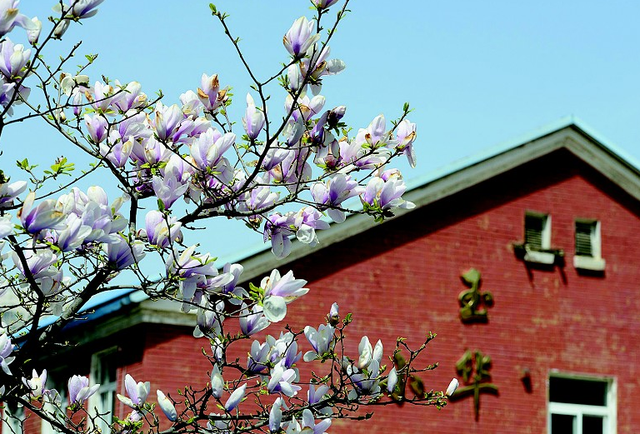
(533, 227)
(584, 233)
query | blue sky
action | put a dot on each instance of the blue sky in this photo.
(476, 73)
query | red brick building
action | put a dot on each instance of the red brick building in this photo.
(552, 225)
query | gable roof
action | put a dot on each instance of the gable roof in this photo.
(568, 133)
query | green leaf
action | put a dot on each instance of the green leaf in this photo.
(214, 9)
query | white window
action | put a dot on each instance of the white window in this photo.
(537, 238)
(55, 405)
(581, 405)
(537, 230)
(103, 372)
(12, 420)
(588, 245)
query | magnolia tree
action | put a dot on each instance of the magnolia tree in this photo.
(177, 165)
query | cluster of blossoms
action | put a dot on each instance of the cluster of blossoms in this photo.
(178, 164)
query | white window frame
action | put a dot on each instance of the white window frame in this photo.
(595, 261)
(12, 423)
(53, 381)
(109, 388)
(608, 412)
(534, 253)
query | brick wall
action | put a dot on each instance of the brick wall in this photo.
(403, 278)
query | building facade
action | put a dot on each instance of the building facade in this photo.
(523, 261)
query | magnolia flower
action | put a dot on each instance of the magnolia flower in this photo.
(197, 274)
(209, 92)
(97, 126)
(277, 228)
(8, 192)
(319, 339)
(235, 398)
(307, 220)
(323, 4)
(79, 390)
(452, 387)
(383, 195)
(47, 215)
(79, 9)
(208, 149)
(368, 353)
(136, 392)
(405, 136)
(168, 188)
(11, 17)
(207, 321)
(73, 235)
(132, 97)
(218, 425)
(166, 120)
(392, 380)
(33, 27)
(331, 194)
(315, 395)
(116, 150)
(38, 262)
(236, 292)
(295, 77)
(6, 347)
(70, 82)
(306, 108)
(279, 291)
(367, 382)
(275, 416)
(121, 254)
(36, 383)
(299, 38)
(253, 119)
(258, 357)
(282, 381)
(60, 28)
(290, 355)
(374, 134)
(6, 227)
(254, 322)
(334, 316)
(217, 382)
(13, 60)
(167, 406)
(162, 230)
(309, 424)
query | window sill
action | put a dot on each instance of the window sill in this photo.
(545, 257)
(536, 257)
(589, 263)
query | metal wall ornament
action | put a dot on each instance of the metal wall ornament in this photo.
(474, 369)
(472, 300)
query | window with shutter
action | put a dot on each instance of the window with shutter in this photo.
(585, 232)
(588, 245)
(537, 231)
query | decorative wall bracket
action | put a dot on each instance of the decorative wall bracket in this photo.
(474, 369)
(471, 300)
